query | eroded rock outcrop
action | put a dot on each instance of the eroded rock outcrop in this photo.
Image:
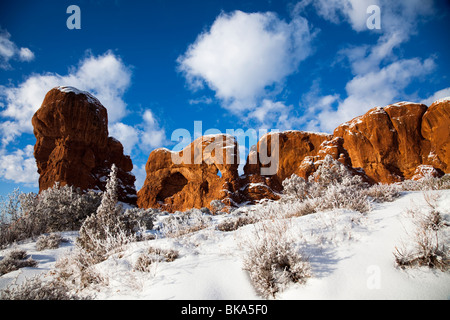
(436, 130)
(205, 170)
(401, 141)
(385, 142)
(73, 146)
(390, 143)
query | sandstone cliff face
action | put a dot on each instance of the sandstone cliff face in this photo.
(400, 141)
(73, 147)
(390, 143)
(294, 147)
(436, 130)
(385, 142)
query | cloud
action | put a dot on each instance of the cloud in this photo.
(127, 135)
(243, 56)
(19, 166)
(380, 76)
(400, 15)
(105, 76)
(152, 135)
(377, 88)
(9, 51)
(269, 113)
(444, 93)
(145, 135)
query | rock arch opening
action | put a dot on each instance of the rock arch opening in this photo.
(172, 185)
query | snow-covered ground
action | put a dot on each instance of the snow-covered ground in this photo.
(351, 257)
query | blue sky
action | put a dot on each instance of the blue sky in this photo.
(158, 66)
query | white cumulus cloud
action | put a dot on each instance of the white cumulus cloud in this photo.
(19, 166)
(9, 51)
(243, 56)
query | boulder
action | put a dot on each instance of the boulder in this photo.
(73, 147)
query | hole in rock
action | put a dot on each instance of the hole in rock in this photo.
(171, 185)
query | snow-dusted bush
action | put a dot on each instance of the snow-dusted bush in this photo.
(143, 217)
(37, 288)
(77, 270)
(332, 186)
(49, 241)
(62, 208)
(426, 183)
(234, 223)
(14, 260)
(109, 229)
(181, 223)
(382, 192)
(154, 255)
(27, 215)
(296, 188)
(273, 262)
(425, 246)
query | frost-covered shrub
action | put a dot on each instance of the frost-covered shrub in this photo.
(38, 289)
(426, 246)
(109, 229)
(426, 183)
(296, 187)
(273, 262)
(382, 192)
(62, 208)
(49, 241)
(55, 209)
(234, 223)
(144, 217)
(14, 260)
(342, 196)
(181, 223)
(77, 270)
(331, 186)
(154, 255)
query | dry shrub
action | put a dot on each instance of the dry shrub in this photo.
(14, 260)
(332, 186)
(235, 223)
(154, 255)
(426, 246)
(181, 223)
(49, 241)
(273, 262)
(38, 289)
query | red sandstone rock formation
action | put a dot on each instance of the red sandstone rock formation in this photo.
(400, 141)
(390, 143)
(436, 130)
(190, 178)
(73, 147)
(385, 142)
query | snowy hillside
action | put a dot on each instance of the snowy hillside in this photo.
(349, 256)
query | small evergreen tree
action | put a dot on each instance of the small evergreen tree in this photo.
(109, 228)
